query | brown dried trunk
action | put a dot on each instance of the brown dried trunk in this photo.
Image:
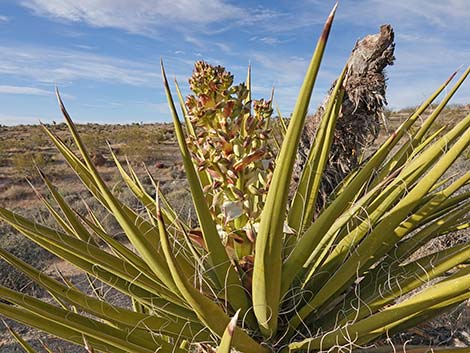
(361, 113)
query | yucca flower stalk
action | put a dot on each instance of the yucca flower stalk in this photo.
(340, 283)
(229, 145)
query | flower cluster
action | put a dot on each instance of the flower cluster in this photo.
(230, 147)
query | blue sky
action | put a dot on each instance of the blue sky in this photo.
(104, 54)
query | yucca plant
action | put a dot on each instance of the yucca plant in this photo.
(277, 280)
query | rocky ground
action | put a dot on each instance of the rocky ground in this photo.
(157, 148)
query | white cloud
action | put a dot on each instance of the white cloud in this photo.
(287, 69)
(138, 16)
(418, 53)
(24, 90)
(4, 19)
(226, 48)
(195, 41)
(445, 14)
(62, 66)
(286, 74)
(284, 69)
(266, 40)
(420, 71)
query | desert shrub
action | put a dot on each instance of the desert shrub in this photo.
(95, 142)
(26, 250)
(25, 163)
(138, 143)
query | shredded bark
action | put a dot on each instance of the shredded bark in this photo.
(362, 112)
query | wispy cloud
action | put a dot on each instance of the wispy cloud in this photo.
(62, 66)
(138, 16)
(286, 69)
(199, 43)
(5, 89)
(276, 37)
(151, 17)
(226, 48)
(266, 40)
(444, 14)
(286, 74)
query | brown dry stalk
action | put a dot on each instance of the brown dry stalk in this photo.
(361, 113)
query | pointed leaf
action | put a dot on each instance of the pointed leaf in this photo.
(268, 262)
(226, 342)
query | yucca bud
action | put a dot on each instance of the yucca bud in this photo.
(263, 135)
(247, 142)
(253, 189)
(238, 192)
(237, 150)
(231, 174)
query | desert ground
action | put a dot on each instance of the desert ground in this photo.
(25, 148)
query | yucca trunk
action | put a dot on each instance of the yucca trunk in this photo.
(362, 111)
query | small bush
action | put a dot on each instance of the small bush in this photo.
(25, 163)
